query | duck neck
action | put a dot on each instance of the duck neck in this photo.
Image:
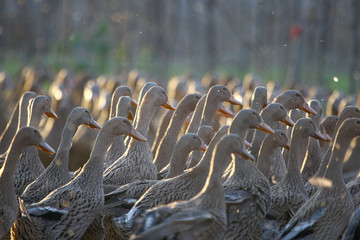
(146, 114)
(61, 160)
(34, 118)
(293, 170)
(10, 130)
(210, 108)
(196, 118)
(93, 169)
(325, 160)
(335, 167)
(8, 169)
(220, 160)
(264, 160)
(239, 129)
(177, 161)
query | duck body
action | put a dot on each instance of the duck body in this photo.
(204, 215)
(327, 213)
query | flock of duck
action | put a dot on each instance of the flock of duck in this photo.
(217, 167)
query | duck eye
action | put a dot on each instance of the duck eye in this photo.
(35, 131)
(357, 110)
(358, 122)
(224, 88)
(124, 121)
(86, 111)
(297, 94)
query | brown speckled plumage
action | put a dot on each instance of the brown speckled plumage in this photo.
(204, 215)
(30, 166)
(137, 161)
(25, 137)
(57, 173)
(290, 194)
(326, 214)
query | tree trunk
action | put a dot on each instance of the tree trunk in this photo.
(355, 58)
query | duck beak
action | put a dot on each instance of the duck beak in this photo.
(130, 116)
(93, 124)
(51, 114)
(247, 144)
(265, 105)
(305, 107)
(319, 136)
(327, 136)
(135, 134)
(168, 106)
(287, 146)
(133, 102)
(265, 128)
(246, 155)
(45, 147)
(233, 101)
(203, 147)
(225, 111)
(287, 121)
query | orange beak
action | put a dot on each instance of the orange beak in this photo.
(135, 134)
(327, 136)
(287, 146)
(133, 102)
(233, 101)
(246, 155)
(265, 128)
(93, 124)
(203, 147)
(130, 116)
(168, 106)
(225, 111)
(45, 147)
(287, 121)
(319, 136)
(305, 107)
(51, 114)
(247, 144)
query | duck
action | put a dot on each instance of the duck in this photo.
(137, 161)
(26, 136)
(247, 191)
(267, 149)
(327, 213)
(204, 215)
(290, 99)
(57, 173)
(258, 102)
(244, 120)
(163, 125)
(271, 114)
(182, 187)
(125, 196)
(216, 95)
(30, 166)
(289, 194)
(328, 123)
(206, 133)
(313, 155)
(119, 92)
(183, 149)
(347, 112)
(166, 146)
(14, 122)
(67, 212)
(117, 147)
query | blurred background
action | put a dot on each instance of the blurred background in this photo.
(288, 41)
